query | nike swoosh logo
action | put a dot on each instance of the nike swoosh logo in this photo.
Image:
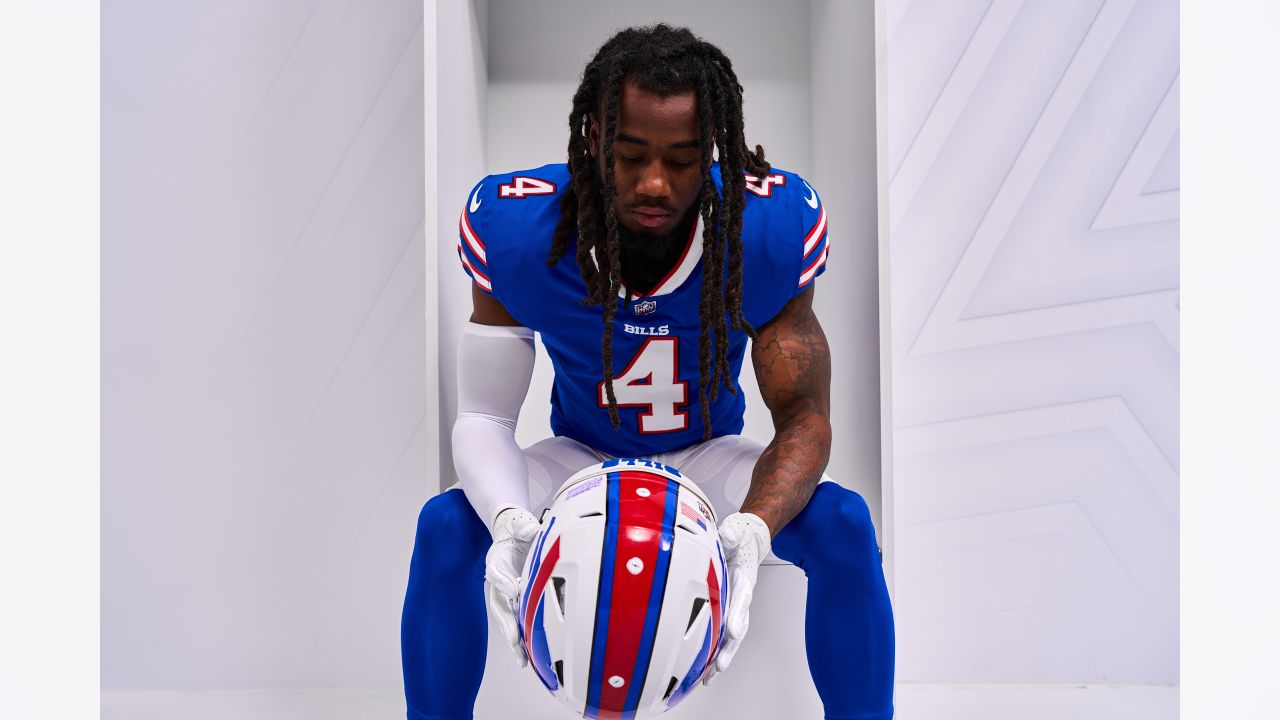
(813, 197)
(475, 199)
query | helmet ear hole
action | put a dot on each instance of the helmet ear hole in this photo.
(671, 686)
(698, 604)
(560, 672)
(558, 584)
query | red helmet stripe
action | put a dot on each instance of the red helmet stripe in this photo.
(535, 595)
(639, 540)
(713, 588)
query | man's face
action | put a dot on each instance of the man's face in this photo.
(657, 159)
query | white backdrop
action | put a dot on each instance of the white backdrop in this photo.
(264, 416)
(274, 401)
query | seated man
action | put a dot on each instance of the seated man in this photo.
(679, 259)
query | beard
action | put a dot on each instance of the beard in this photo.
(647, 258)
(642, 251)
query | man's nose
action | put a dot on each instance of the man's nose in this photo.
(653, 181)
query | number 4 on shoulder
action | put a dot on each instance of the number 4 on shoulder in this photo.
(521, 186)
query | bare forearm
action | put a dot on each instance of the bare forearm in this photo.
(793, 365)
(789, 469)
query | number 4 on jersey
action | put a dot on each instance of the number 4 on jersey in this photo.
(523, 186)
(650, 382)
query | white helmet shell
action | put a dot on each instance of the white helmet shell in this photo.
(623, 595)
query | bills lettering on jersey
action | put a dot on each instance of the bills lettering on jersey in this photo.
(764, 187)
(642, 330)
(522, 187)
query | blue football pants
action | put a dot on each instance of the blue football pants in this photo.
(849, 637)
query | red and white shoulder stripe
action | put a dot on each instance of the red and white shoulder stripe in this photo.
(814, 253)
(471, 248)
(476, 274)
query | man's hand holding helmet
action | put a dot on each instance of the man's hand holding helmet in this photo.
(745, 540)
(513, 532)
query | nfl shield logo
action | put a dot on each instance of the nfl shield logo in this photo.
(644, 308)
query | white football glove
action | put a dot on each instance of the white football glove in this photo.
(513, 534)
(744, 537)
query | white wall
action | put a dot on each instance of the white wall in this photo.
(273, 415)
(459, 38)
(265, 431)
(1033, 237)
(847, 298)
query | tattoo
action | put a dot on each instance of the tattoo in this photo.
(793, 366)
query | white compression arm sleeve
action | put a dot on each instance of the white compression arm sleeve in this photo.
(495, 364)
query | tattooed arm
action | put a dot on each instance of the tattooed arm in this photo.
(793, 367)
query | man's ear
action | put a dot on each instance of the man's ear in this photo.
(593, 135)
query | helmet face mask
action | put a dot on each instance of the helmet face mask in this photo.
(621, 606)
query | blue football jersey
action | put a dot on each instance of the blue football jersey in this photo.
(505, 234)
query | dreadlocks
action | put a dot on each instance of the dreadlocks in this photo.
(666, 61)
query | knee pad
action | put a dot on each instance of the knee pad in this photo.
(450, 530)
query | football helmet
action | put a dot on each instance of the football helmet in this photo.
(622, 599)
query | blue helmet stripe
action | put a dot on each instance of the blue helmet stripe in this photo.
(660, 570)
(541, 659)
(533, 571)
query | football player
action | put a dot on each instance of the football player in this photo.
(645, 263)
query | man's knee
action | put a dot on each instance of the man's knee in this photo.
(449, 528)
(836, 521)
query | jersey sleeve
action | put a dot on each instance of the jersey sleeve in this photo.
(785, 238)
(472, 228)
(815, 248)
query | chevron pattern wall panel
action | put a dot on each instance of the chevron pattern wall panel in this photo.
(1033, 268)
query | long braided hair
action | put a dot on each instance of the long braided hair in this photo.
(664, 60)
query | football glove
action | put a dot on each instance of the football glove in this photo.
(744, 537)
(513, 534)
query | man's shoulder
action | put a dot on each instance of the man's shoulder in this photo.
(780, 200)
(783, 216)
(520, 191)
(508, 220)
(512, 208)
(784, 238)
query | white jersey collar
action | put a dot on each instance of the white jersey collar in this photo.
(678, 274)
